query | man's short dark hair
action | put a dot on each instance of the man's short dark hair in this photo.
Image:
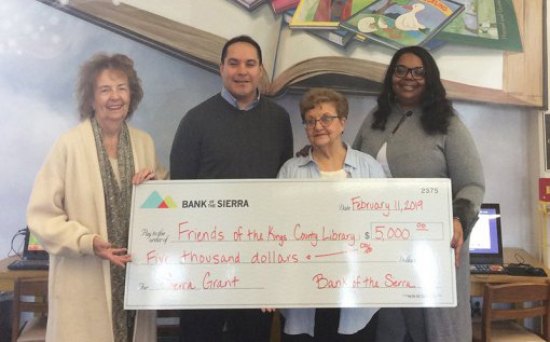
(242, 39)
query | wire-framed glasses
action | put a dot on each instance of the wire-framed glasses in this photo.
(417, 73)
(325, 121)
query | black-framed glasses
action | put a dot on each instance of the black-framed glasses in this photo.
(325, 121)
(417, 73)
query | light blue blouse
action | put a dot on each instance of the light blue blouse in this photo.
(356, 165)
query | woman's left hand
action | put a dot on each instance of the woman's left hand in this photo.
(106, 251)
(458, 240)
(143, 175)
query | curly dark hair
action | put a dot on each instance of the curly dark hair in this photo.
(88, 75)
(436, 108)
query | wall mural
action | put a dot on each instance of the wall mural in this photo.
(486, 50)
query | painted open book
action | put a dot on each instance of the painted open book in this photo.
(196, 31)
(403, 23)
(488, 24)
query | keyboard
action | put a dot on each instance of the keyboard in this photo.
(28, 265)
(525, 270)
(487, 269)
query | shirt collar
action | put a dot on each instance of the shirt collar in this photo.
(233, 101)
(349, 162)
(397, 108)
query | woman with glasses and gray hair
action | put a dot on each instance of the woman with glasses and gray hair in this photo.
(415, 133)
(324, 113)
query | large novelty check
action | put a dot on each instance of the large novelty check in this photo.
(291, 243)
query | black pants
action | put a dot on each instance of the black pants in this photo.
(326, 329)
(225, 325)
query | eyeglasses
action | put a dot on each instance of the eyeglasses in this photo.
(325, 121)
(417, 73)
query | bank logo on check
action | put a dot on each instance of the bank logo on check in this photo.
(155, 201)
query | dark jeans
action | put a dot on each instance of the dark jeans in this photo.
(225, 325)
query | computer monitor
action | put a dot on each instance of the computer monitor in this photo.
(486, 236)
(34, 245)
(33, 249)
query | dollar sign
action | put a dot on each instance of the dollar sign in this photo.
(367, 236)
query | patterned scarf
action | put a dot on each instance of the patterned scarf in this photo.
(117, 206)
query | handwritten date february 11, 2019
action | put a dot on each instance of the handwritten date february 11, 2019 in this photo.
(385, 207)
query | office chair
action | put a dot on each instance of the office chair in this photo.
(505, 305)
(30, 295)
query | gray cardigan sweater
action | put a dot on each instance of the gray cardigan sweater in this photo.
(412, 153)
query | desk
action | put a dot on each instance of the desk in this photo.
(7, 281)
(478, 281)
(7, 277)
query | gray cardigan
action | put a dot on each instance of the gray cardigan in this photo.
(412, 153)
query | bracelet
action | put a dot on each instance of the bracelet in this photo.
(456, 218)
